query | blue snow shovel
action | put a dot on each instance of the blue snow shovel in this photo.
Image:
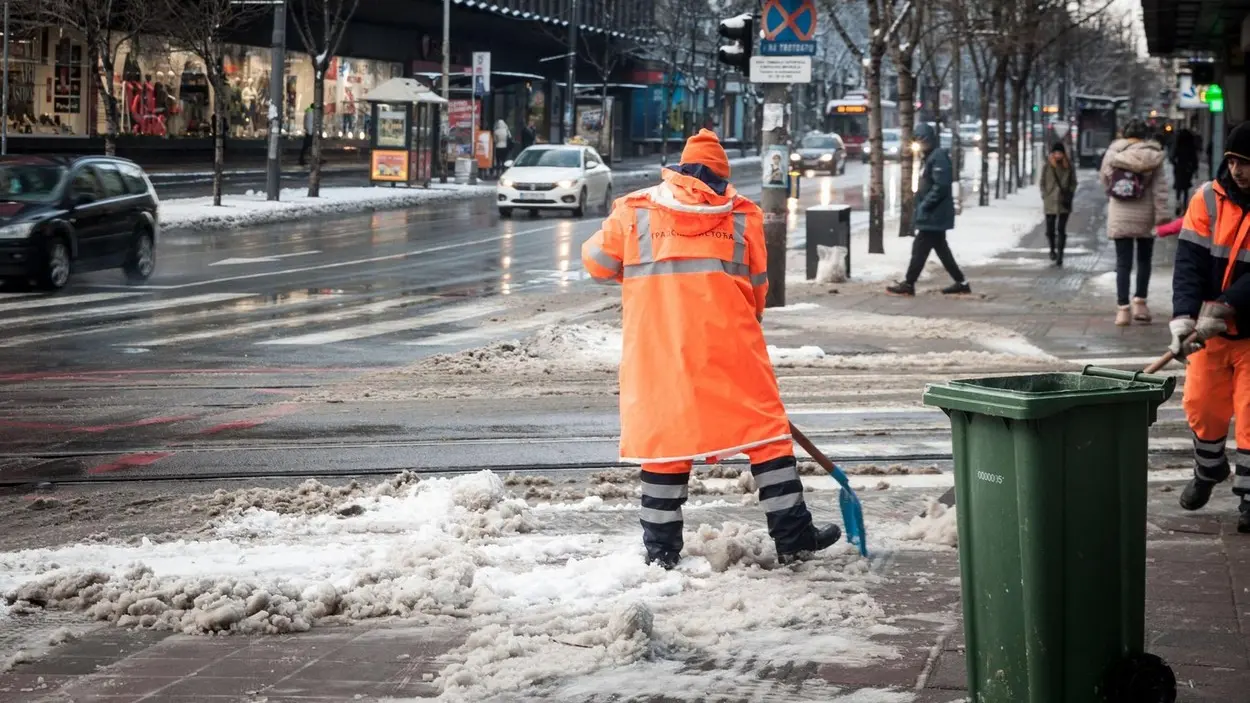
(852, 512)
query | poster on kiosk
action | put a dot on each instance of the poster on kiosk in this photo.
(483, 140)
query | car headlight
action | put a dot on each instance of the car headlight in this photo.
(20, 231)
(826, 157)
(796, 156)
(506, 182)
(567, 184)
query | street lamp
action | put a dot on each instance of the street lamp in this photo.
(277, 101)
(4, 102)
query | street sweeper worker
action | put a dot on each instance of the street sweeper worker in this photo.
(1211, 325)
(695, 379)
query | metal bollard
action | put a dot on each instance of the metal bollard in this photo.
(830, 226)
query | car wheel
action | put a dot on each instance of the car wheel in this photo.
(141, 260)
(56, 265)
(505, 212)
(580, 210)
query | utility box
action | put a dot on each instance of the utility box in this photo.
(1050, 484)
(829, 226)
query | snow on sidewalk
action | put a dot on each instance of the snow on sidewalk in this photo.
(981, 235)
(552, 598)
(252, 208)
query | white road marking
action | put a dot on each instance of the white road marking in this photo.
(261, 259)
(296, 321)
(60, 300)
(357, 262)
(438, 317)
(126, 309)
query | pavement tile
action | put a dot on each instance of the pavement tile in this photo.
(201, 648)
(120, 685)
(12, 684)
(1198, 648)
(67, 666)
(949, 673)
(1203, 616)
(914, 650)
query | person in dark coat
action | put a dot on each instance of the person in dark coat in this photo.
(1184, 166)
(935, 215)
(1058, 186)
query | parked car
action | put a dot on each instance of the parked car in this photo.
(820, 152)
(65, 215)
(555, 177)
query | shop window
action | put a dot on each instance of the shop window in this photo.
(111, 184)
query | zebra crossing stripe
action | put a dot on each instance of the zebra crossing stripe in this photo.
(126, 309)
(524, 325)
(61, 300)
(156, 306)
(374, 329)
(295, 321)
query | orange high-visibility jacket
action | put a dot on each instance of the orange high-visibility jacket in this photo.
(696, 380)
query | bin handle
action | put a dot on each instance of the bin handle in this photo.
(1167, 383)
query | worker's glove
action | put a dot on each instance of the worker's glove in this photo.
(1213, 320)
(1181, 329)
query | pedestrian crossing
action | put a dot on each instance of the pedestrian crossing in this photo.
(165, 320)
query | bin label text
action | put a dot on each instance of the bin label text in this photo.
(991, 478)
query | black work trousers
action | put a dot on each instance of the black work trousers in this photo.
(935, 241)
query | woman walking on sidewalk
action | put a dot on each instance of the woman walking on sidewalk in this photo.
(1058, 187)
(1137, 200)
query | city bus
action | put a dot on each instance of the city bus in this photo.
(847, 117)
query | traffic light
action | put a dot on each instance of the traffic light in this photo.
(1037, 108)
(741, 31)
(1214, 98)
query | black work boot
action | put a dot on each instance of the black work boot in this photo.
(1196, 494)
(821, 538)
(901, 288)
(1243, 520)
(664, 558)
(961, 288)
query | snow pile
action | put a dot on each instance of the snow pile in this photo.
(294, 204)
(591, 346)
(937, 526)
(544, 596)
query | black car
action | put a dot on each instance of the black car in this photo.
(820, 152)
(74, 214)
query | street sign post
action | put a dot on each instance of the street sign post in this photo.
(789, 28)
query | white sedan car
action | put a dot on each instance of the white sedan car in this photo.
(555, 177)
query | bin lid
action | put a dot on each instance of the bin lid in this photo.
(1035, 396)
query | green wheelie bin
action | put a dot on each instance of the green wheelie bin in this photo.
(1050, 493)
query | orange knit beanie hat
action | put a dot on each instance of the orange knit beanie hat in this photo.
(704, 148)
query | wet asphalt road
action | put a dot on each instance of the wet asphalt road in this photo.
(187, 373)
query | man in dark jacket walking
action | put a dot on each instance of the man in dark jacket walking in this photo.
(935, 215)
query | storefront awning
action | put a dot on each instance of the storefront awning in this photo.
(403, 90)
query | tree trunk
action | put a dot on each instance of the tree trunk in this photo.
(219, 135)
(1000, 92)
(876, 188)
(1019, 91)
(112, 115)
(983, 103)
(906, 159)
(314, 170)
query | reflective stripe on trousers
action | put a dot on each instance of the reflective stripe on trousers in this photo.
(1241, 480)
(1210, 461)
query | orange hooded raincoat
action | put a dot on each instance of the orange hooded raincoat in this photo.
(695, 379)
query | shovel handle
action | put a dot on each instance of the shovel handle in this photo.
(1167, 357)
(812, 451)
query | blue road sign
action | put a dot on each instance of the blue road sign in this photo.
(789, 28)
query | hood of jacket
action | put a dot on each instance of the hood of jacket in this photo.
(696, 205)
(1136, 156)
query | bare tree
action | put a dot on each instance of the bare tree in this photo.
(321, 25)
(903, 54)
(680, 45)
(605, 59)
(106, 26)
(199, 27)
(872, 54)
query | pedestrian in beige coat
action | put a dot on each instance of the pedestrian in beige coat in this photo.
(1137, 188)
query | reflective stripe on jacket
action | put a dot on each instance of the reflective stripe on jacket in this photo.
(1213, 257)
(696, 380)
